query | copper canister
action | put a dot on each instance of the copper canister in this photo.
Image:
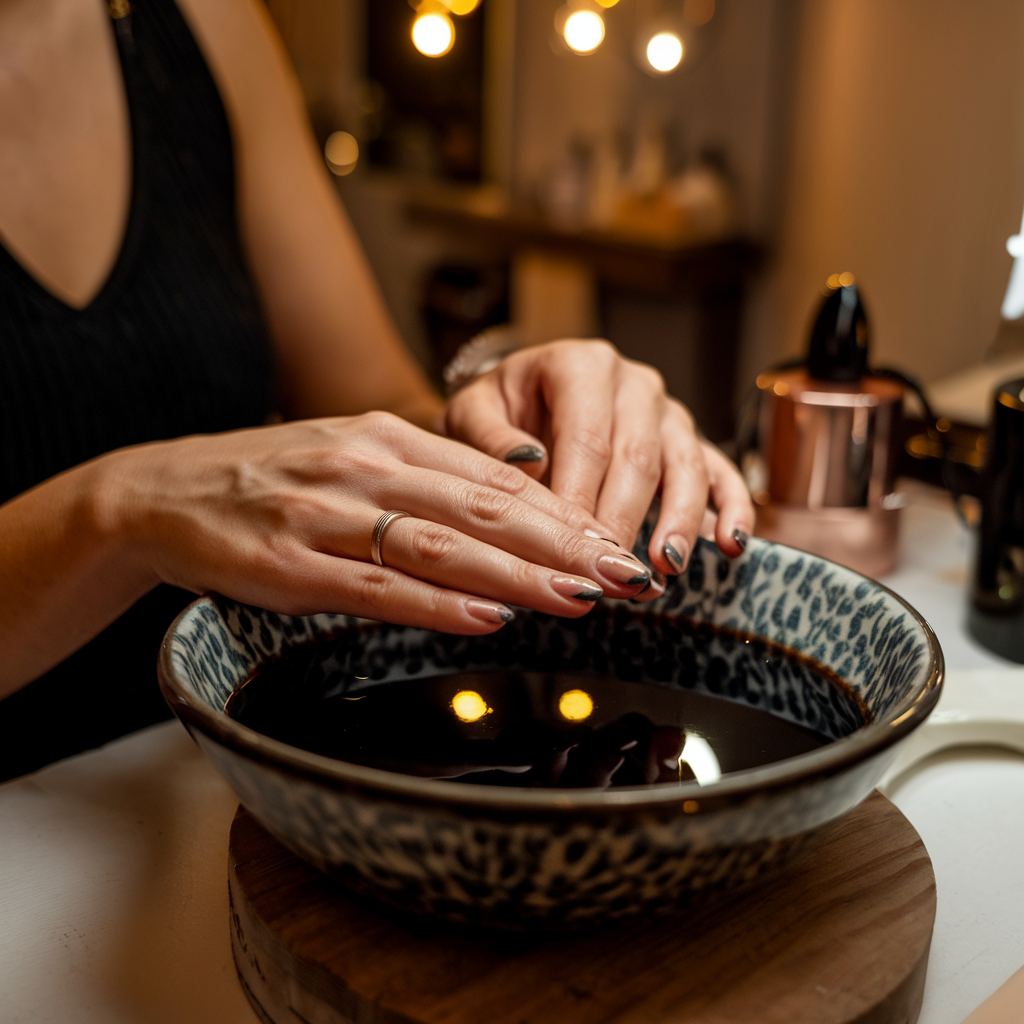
(824, 468)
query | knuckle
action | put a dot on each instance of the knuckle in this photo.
(373, 587)
(651, 377)
(643, 457)
(381, 425)
(486, 505)
(502, 477)
(593, 444)
(432, 544)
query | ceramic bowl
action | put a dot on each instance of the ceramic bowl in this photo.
(535, 858)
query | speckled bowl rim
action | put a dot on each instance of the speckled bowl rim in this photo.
(803, 769)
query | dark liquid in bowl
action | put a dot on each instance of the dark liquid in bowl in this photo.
(525, 729)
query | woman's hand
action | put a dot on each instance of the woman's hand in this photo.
(281, 517)
(604, 432)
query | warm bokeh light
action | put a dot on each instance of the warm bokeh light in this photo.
(665, 51)
(469, 706)
(461, 6)
(607, 3)
(843, 280)
(699, 12)
(575, 705)
(341, 152)
(433, 34)
(584, 31)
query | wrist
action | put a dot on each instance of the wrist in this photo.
(112, 512)
(480, 355)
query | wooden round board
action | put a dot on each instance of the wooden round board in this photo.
(841, 936)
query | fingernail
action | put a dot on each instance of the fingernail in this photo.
(676, 552)
(741, 537)
(622, 571)
(525, 453)
(581, 590)
(488, 611)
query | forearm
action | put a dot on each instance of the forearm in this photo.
(338, 350)
(66, 572)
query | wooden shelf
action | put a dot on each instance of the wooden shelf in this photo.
(616, 259)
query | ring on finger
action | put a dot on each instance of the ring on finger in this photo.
(377, 537)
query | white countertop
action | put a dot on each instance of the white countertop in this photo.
(113, 900)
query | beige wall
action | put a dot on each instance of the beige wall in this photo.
(728, 101)
(906, 166)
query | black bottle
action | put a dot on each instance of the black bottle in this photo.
(996, 616)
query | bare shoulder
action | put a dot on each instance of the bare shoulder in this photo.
(249, 64)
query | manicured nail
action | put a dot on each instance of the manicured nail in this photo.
(525, 453)
(581, 590)
(488, 611)
(741, 537)
(597, 536)
(676, 552)
(621, 570)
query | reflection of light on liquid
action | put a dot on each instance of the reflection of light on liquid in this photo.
(665, 51)
(341, 152)
(575, 705)
(584, 31)
(433, 34)
(469, 706)
(843, 280)
(697, 753)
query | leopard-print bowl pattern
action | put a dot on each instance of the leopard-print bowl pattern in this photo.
(520, 858)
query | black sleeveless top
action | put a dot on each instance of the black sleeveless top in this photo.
(173, 344)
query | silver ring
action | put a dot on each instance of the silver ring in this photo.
(378, 532)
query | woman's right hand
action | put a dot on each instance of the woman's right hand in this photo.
(281, 517)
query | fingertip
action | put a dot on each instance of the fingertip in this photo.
(732, 538)
(530, 458)
(525, 454)
(489, 614)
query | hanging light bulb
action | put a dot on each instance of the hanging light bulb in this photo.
(665, 51)
(583, 31)
(433, 34)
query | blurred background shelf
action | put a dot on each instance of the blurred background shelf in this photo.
(676, 304)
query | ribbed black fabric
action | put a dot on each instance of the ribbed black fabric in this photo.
(173, 344)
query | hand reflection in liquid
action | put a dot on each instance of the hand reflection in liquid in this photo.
(630, 751)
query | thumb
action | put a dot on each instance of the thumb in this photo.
(478, 415)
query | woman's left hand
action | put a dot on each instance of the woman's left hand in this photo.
(604, 433)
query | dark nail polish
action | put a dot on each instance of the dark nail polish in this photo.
(639, 592)
(525, 453)
(673, 557)
(490, 611)
(610, 541)
(618, 570)
(741, 537)
(581, 590)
